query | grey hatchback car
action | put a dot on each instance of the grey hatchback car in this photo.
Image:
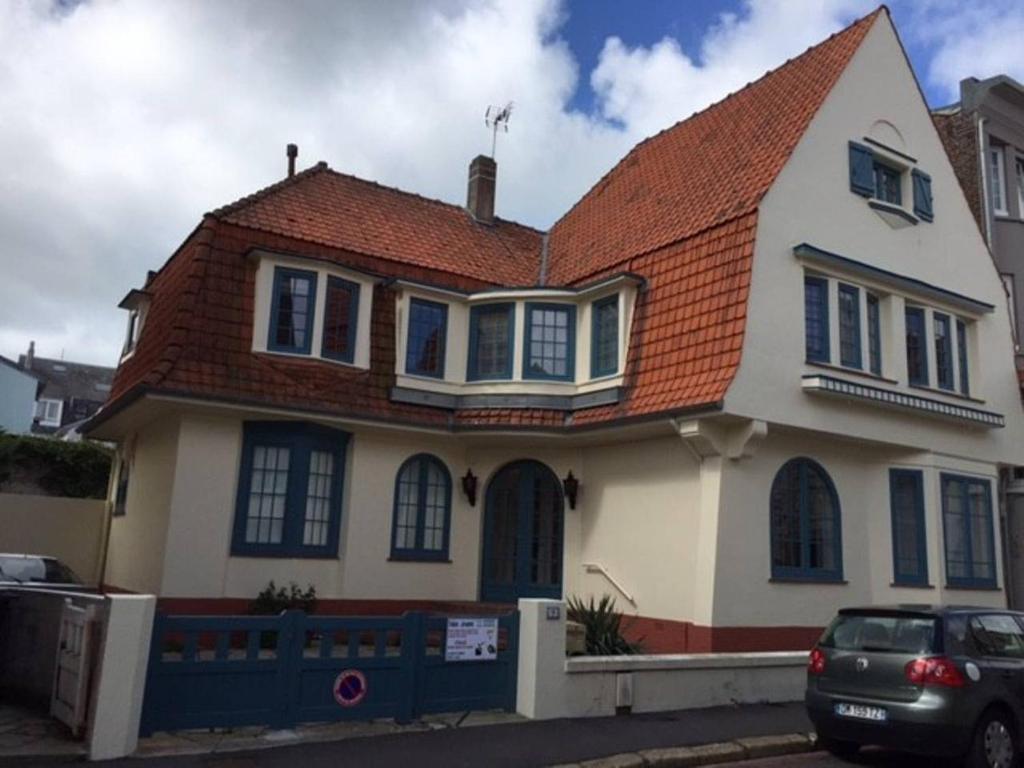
(934, 680)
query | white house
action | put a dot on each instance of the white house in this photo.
(764, 368)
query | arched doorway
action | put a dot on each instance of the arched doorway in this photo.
(523, 533)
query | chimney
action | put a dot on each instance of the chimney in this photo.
(480, 198)
(31, 356)
(293, 152)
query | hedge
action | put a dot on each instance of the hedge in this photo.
(58, 468)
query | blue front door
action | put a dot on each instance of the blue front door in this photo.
(523, 525)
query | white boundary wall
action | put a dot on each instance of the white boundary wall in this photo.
(552, 686)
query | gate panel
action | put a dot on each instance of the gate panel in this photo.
(455, 686)
(225, 671)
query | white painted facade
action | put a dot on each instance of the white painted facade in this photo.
(673, 515)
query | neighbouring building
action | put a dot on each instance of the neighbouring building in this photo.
(762, 369)
(984, 136)
(18, 392)
(70, 394)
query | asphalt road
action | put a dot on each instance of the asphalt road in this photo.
(866, 759)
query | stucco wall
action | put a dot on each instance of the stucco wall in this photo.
(744, 593)
(811, 202)
(135, 557)
(639, 519)
(68, 529)
(17, 400)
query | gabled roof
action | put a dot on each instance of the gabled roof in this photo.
(64, 380)
(712, 167)
(680, 210)
(323, 206)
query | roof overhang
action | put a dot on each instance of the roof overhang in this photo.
(531, 291)
(833, 262)
(134, 299)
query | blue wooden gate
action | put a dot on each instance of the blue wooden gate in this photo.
(224, 671)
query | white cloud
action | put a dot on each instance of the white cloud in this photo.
(968, 40)
(122, 121)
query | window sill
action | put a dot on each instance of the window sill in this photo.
(311, 357)
(946, 392)
(978, 588)
(285, 555)
(896, 216)
(419, 559)
(809, 580)
(906, 585)
(851, 371)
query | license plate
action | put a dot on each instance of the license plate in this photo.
(862, 712)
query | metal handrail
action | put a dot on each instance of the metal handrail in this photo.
(598, 568)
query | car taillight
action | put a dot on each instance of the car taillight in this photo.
(816, 663)
(936, 670)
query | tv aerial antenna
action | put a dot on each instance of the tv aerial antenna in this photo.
(497, 118)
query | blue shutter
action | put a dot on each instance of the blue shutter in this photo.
(922, 183)
(862, 170)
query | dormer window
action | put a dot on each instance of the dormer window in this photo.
(550, 342)
(136, 302)
(291, 314)
(425, 348)
(888, 183)
(491, 341)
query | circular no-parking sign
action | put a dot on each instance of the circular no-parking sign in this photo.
(349, 687)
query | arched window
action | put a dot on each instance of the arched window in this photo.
(423, 505)
(806, 529)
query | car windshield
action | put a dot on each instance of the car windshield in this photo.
(881, 634)
(38, 570)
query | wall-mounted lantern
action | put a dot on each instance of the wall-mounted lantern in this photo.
(571, 486)
(469, 487)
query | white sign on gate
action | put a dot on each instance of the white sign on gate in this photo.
(471, 640)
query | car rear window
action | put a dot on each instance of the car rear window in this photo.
(881, 634)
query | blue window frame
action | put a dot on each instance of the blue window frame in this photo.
(961, 350)
(968, 531)
(816, 319)
(421, 523)
(874, 335)
(549, 350)
(341, 313)
(491, 341)
(806, 527)
(917, 347)
(292, 311)
(849, 326)
(604, 337)
(289, 490)
(943, 351)
(909, 545)
(425, 342)
(888, 183)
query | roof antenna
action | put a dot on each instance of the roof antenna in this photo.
(495, 118)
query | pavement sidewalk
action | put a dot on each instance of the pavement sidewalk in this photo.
(529, 743)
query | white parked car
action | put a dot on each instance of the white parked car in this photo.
(35, 570)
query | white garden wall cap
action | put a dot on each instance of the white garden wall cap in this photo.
(665, 662)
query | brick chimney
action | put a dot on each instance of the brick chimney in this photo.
(480, 198)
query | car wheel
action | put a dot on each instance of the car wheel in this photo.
(995, 742)
(838, 747)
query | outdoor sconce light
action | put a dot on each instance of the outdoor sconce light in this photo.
(469, 487)
(571, 486)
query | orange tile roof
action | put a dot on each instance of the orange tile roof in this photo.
(680, 210)
(323, 206)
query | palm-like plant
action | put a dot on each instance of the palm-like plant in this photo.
(603, 625)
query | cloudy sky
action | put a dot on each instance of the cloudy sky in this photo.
(122, 121)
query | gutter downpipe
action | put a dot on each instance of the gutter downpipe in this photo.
(984, 182)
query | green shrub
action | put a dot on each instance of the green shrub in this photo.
(76, 470)
(273, 599)
(603, 625)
